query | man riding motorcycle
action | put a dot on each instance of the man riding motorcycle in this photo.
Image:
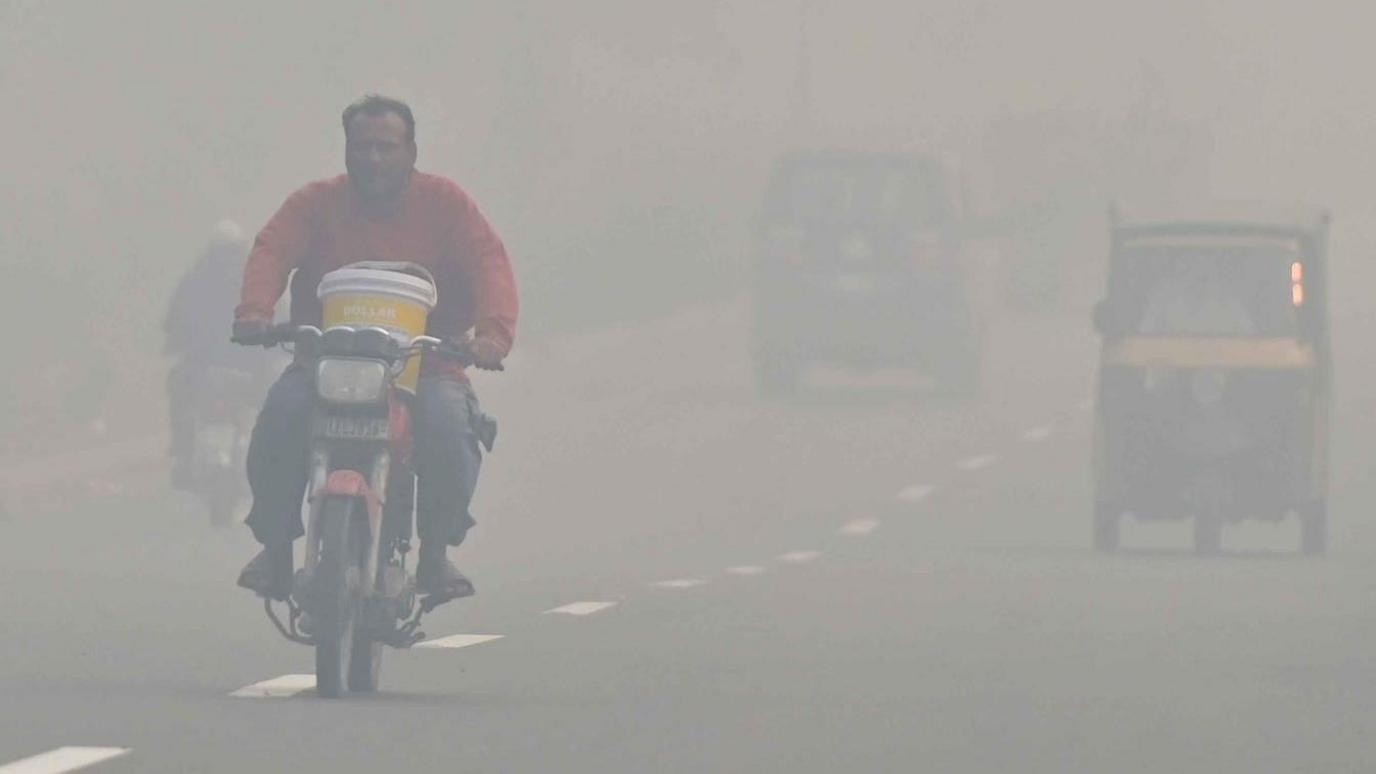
(195, 341)
(383, 209)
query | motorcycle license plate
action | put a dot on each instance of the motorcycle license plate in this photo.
(347, 428)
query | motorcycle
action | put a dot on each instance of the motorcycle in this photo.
(221, 440)
(354, 593)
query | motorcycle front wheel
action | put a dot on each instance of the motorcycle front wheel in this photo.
(335, 595)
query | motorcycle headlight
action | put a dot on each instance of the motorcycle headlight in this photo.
(339, 380)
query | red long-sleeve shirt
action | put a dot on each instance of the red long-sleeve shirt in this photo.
(323, 226)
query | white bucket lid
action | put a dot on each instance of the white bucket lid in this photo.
(380, 281)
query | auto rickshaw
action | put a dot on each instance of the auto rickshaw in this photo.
(1214, 385)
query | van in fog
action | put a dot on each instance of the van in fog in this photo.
(859, 260)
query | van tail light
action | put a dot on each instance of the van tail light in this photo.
(1297, 283)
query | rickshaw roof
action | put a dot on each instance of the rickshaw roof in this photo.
(859, 158)
(1252, 219)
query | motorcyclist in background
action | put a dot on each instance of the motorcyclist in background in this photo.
(382, 209)
(194, 337)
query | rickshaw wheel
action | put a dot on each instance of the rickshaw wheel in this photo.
(1314, 528)
(1107, 528)
(1208, 534)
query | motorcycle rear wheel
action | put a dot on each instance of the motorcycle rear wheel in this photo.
(1208, 533)
(365, 665)
(1314, 528)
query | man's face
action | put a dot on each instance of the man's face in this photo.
(378, 156)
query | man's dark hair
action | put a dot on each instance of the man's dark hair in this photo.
(378, 105)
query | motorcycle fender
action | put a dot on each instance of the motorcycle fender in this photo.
(351, 483)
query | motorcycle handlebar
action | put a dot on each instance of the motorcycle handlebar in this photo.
(449, 350)
(269, 337)
(285, 332)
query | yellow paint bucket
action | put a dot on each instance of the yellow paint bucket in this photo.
(383, 295)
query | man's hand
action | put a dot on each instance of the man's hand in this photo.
(487, 354)
(249, 332)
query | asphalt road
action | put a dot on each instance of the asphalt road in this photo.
(864, 578)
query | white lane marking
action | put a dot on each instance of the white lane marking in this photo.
(1038, 434)
(679, 583)
(459, 641)
(799, 557)
(746, 569)
(277, 687)
(582, 608)
(859, 527)
(916, 493)
(63, 759)
(977, 462)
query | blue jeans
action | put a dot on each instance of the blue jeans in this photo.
(449, 427)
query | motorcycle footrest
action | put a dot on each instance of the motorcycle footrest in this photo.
(431, 601)
(288, 630)
(403, 637)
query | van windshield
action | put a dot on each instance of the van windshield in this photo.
(819, 192)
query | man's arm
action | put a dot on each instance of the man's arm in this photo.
(494, 284)
(278, 250)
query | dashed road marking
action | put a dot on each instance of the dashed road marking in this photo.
(63, 759)
(977, 462)
(799, 557)
(1038, 434)
(581, 608)
(459, 641)
(859, 527)
(679, 583)
(746, 569)
(277, 687)
(916, 493)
